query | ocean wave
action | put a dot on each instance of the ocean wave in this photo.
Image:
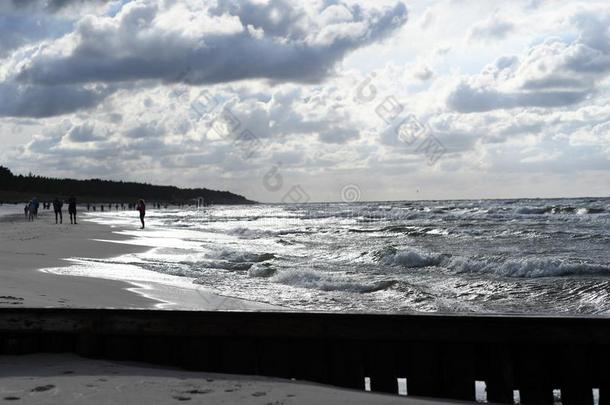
(558, 209)
(527, 268)
(240, 256)
(309, 278)
(249, 233)
(409, 257)
(261, 270)
(226, 265)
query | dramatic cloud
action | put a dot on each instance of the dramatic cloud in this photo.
(234, 41)
(39, 102)
(126, 46)
(229, 94)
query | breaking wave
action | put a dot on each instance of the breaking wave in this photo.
(528, 268)
(554, 209)
(308, 278)
(407, 257)
(240, 256)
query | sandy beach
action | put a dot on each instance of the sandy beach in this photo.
(69, 379)
(28, 247)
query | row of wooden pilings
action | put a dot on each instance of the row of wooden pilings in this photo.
(439, 355)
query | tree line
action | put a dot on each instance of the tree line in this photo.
(14, 186)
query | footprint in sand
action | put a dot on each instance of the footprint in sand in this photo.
(43, 388)
(195, 391)
(9, 299)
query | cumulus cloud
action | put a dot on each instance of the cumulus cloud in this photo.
(47, 5)
(468, 98)
(127, 46)
(493, 28)
(279, 41)
(46, 101)
(554, 73)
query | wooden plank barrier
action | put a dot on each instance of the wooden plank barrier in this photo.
(439, 355)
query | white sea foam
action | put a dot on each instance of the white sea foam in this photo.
(527, 268)
(239, 256)
(467, 247)
(309, 278)
(408, 257)
(261, 270)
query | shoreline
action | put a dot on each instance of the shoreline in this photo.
(35, 258)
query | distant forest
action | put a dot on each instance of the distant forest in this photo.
(19, 188)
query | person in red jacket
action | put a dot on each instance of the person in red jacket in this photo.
(141, 206)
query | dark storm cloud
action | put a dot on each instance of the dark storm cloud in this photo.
(50, 5)
(46, 101)
(261, 15)
(120, 54)
(131, 47)
(16, 31)
(465, 98)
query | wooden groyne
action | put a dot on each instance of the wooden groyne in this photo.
(439, 355)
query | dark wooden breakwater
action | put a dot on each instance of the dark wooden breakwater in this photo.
(439, 355)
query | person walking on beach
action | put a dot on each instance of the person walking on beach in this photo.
(141, 206)
(30, 210)
(34, 204)
(57, 205)
(72, 209)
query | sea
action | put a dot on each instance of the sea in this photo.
(511, 256)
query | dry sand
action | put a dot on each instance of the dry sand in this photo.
(26, 247)
(68, 379)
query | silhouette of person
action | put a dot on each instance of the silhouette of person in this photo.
(141, 206)
(31, 210)
(34, 204)
(57, 204)
(72, 209)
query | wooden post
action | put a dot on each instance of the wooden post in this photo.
(346, 364)
(381, 366)
(574, 371)
(499, 374)
(533, 375)
(424, 378)
(457, 371)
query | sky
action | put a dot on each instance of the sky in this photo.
(325, 100)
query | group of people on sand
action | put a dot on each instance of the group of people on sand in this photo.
(57, 208)
(31, 210)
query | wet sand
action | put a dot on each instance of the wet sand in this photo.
(26, 247)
